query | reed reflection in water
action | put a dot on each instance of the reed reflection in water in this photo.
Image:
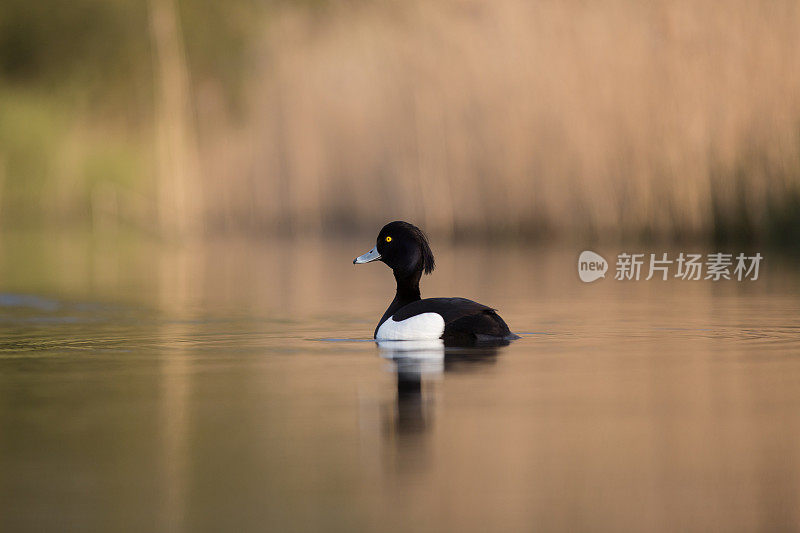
(235, 386)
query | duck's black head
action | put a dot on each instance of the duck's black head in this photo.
(403, 247)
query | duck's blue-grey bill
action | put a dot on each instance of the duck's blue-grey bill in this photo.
(372, 255)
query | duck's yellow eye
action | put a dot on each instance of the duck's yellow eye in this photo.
(388, 239)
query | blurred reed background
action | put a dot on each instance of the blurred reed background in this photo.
(619, 120)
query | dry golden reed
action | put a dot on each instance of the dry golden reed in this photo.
(567, 119)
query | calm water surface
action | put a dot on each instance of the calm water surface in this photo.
(234, 387)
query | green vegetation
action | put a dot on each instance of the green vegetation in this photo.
(77, 86)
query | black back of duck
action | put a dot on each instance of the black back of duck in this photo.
(465, 321)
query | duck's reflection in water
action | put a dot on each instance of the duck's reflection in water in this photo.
(418, 365)
(413, 362)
